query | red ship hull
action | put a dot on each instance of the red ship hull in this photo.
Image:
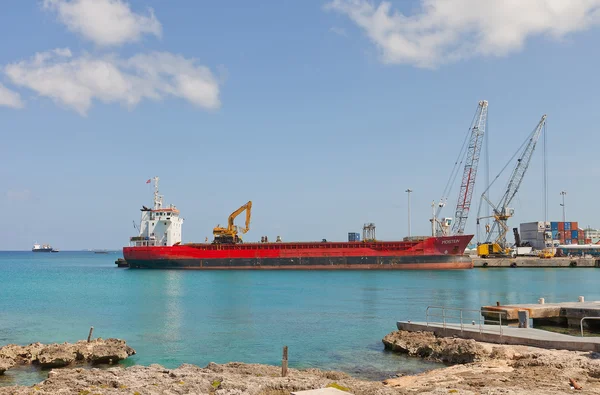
(430, 253)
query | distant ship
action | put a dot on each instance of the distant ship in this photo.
(42, 248)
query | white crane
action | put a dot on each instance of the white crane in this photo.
(495, 243)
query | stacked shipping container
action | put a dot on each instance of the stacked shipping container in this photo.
(567, 233)
(548, 234)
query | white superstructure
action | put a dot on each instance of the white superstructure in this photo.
(159, 226)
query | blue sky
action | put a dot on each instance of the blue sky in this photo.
(321, 113)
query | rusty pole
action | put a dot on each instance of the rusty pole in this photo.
(284, 362)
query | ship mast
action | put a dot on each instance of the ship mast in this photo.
(158, 199)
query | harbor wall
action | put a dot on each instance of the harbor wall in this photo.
(536, 262)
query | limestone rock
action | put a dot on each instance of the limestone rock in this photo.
(6, 363)
(60, 355)
(56, 356)
(427, 345)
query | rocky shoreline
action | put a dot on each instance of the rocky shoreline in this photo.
(96, 351)
(476, 368)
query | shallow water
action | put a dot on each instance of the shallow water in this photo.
(329, 320)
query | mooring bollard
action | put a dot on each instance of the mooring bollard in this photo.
(581, 299)
(284, 362)
(541, 301)
(90, 335)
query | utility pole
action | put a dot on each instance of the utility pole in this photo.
(563, 193)
(408, 191)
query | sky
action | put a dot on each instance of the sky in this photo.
(322, 112)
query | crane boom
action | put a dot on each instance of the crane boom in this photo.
(467, 186)
(522, 165)
(501, 211)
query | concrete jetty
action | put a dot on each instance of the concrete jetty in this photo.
(536, 262)
(565, 314)
(508, 335)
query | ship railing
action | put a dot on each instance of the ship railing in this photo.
(455, 318)
(586, 318)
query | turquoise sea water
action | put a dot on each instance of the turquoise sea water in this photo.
(329, 320)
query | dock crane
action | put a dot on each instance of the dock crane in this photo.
(471, 154)
(467, 186)
(495, 244)
(229, 235)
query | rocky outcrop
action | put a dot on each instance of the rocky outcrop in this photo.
(229, 379)
(442, 349)
(483, 368)
(6, 363)
(60, 355)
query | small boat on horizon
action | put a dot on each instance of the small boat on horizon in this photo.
(42, 248)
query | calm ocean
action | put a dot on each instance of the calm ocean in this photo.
(329, 320)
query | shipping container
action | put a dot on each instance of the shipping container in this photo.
(554, 234)
(581, 241)
(554, 225)
(574, 234)
(581, 234)
(574, 225)
(561, 226)
(567, 226)
(531, 233)
(353, 236)
(588, 241)
(532, 226)
(568, 241)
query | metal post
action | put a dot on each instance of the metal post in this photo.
(500, 321)
(461, 320)
(444, 317)
(563, 193)
(408, 191)
(284, 362)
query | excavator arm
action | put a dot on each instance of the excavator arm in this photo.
(246, 207)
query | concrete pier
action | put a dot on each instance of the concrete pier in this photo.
(536, 262)
(566, 314)
(509, 335)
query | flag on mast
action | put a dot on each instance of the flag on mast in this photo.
(149, 180)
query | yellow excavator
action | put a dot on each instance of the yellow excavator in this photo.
(229, 235)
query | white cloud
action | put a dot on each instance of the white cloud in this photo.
(9, 98)
(105, 22)
(446, 31)
(76, 81)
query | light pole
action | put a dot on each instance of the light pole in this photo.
(408, 191)
(563, 193)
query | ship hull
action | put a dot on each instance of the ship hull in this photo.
(431, 254)
(42, 250)
(369, 263)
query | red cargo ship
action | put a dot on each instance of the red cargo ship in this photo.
(158, 246)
